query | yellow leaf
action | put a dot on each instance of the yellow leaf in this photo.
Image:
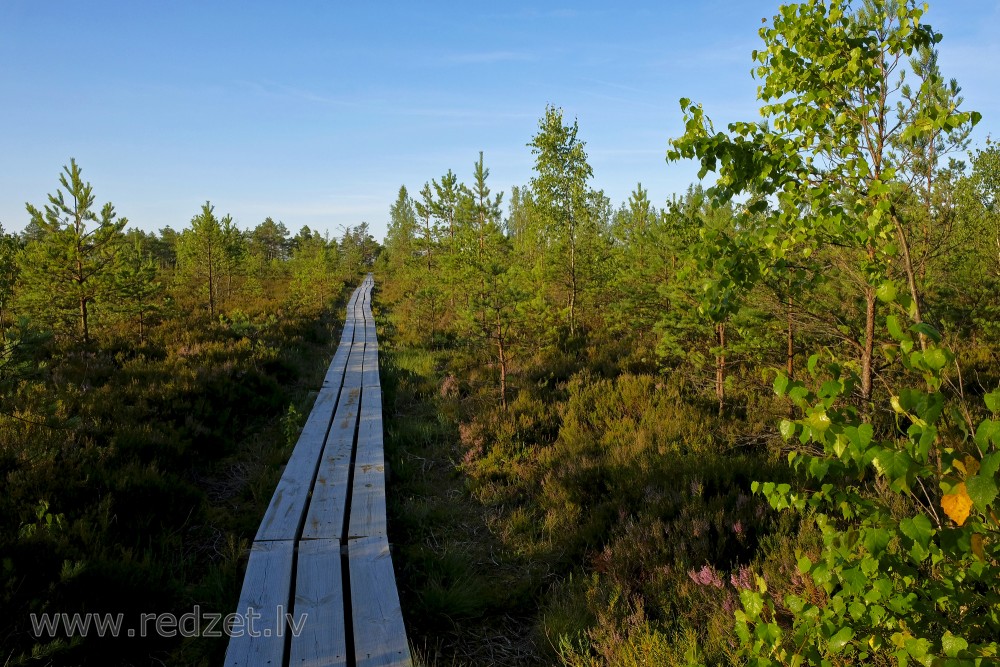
(977, 547)
(957, 504)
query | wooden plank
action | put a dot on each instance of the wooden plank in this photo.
(370, 445)
(262, 607)
(354, 304)
(347, 334)
(369, 376)
(352, 307)
(368, 502)
(379, 634)
(340, 441)
(319, 595)
(355, 365)
(335, 373)
(284, 513)
(325, 518)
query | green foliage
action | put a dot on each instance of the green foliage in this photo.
(825, 74)
(201, 257)
(400, 238)
(68, 266)
(136, 285)
(270, 240)
(566, 224)
(904, 560)
(9, 272)
(908, 523)
(20, 356)
(978, 231)
(313, 268)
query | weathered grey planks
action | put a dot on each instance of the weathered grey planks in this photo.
(325, 528)
(319, 594)
(368, 494)
(329, 496)
(262, 606)
(379, 635)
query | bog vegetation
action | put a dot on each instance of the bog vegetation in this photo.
(152, 385)
(756, 425)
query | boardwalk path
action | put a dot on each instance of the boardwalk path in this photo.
(321, 555)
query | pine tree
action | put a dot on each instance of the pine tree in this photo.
(10, 248)
(563, 200)
(636, 268)
(136, 286)
(69, 266)
(488, 316)
(400, 238)
(201, 256)
(429, 232)
(270, 240)
(313, 268)
(428, 293)
(234, 252)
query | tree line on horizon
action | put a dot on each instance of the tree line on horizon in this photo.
(73, 261)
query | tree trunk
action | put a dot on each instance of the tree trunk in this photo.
(83, 319)
(80, 279)
(427, 239)
(211, 285)
(572, 271)
(868, 350)
(720, 367)
(929, 175)
(790, 350)
(911, 280)
(502, 354)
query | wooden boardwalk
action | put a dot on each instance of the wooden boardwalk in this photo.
(319, 586)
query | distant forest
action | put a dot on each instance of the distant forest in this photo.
(756, 424)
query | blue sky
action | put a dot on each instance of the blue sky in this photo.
(315, 113)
